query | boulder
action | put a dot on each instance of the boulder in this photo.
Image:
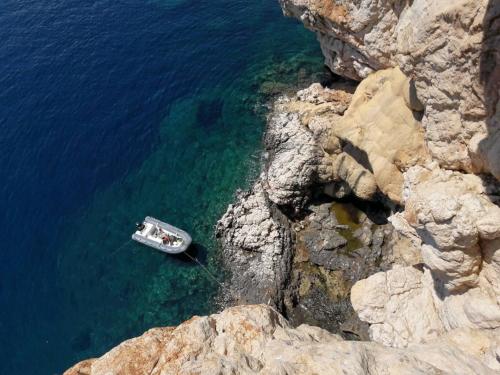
(382, 132)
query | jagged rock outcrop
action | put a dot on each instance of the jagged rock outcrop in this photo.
(330, 142)
(458, 227)
(450, 50)
(257, 248)
(313, 144)
(299, 145)
(441, 46)
(254, 233)
(258, 340)
(294, 160)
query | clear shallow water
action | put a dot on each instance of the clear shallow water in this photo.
(110, 111)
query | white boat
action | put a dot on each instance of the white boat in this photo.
(162, 236)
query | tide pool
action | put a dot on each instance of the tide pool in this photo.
(111, 111)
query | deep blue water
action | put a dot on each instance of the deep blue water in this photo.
(111, 110)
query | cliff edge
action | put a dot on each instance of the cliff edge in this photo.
(255, 339)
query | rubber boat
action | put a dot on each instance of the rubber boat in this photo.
(161, 236)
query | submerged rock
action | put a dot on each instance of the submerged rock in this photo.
(327, 264)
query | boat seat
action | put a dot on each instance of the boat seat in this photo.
(150, 231)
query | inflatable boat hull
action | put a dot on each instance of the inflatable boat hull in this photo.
(153, 231)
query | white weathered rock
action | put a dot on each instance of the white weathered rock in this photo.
(450, 49)
(257, 340)
(254, 233)
(454, 218)
(442, 45)
(300, 144)
(389, 302)
(458, 227)
(256, 242)
(294, 161)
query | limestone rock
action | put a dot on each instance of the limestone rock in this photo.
(258, 340)
(294, 159)
(398, 307)
(360, 180)
(454, 218)
(256, 243)
(315, 138)
(297, 146)
(255, 233)
(457, 226)
(449, 48)
(381, 131)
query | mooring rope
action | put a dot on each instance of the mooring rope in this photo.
(222, 285)
(206, 269)
(211, 275)
(119, 247)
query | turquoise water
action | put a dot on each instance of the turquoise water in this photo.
(115, 111)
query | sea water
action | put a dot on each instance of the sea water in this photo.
(111, 111)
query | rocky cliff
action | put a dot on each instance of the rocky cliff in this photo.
(376, 214)
(255, 339)
(420, 134)
(448, 47)
(444, 173)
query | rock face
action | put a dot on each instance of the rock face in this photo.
(302, 151)
(382, 106)
(315, 138)
(285, 251)
(446, 177)
(258, 340)
(313, 144)
(450, 50)
(255, 233)
(459, 229)
(257, 247)
(329, 140)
